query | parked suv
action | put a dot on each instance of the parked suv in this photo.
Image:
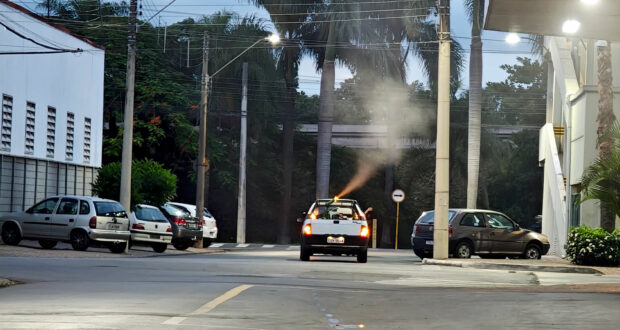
(185, 229)
(80, 220)
(482, 232)
(208, 223)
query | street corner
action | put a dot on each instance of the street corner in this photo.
(548, 264)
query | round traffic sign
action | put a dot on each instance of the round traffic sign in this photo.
(398, 196)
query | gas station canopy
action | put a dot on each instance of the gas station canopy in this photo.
(600, 19)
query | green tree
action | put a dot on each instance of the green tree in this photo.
(151, 183)
(601, 180)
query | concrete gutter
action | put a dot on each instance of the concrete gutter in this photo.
(512, 266)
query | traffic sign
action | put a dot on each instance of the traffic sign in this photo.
(398, 196)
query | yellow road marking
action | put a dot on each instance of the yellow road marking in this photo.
(206, 308)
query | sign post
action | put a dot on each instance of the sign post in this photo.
(397, 196)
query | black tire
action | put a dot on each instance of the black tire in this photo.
(532, 251)
(11, 234)
(159, 247)
(206, 242)
(117, 247)
(463, 250)
(79, 240)
(180, 245)
(362, 256)
(304, 254)
(421, 254)
(47, 244)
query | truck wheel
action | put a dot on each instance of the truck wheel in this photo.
(304, 254)
(362, 255)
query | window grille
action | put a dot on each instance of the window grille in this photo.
(7, 122)
(87, 129)
(70, 132)
(51, 131)
(29, 137)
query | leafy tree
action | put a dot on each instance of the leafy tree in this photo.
(602, 179)
(151, 183)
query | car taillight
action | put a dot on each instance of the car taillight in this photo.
(307, 230)
(450, 231)
(179, 221)
(416, 229)
(202, 223)
(365, 232)
(215, 224)
(169, 229)
(137, 226)
(92, 223)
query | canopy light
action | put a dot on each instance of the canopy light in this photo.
(589, 2)
(513, 38)
(571, 26)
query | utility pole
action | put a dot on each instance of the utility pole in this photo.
(202, 166)
(165, 34)
(125, 195)
(442, 163)
(243, 142)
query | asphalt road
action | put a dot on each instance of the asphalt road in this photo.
(261, 289)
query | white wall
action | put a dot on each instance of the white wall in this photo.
(68, 82)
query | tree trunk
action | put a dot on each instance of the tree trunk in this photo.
(475, 110)
(326, 117)
(605, 119)
(288, 133)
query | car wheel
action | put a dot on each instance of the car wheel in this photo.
(362, 256)
(180, 245)
(11, 234)
(79, 240)
(206, 242)
(420, 254)
(532, 251)
(463, 250)
(304, 254)
(117, 247)
(47, 244)
(159, 247)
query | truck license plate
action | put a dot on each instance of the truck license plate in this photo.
(335, 240)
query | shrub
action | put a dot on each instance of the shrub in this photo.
(150, 183)
(593, 246)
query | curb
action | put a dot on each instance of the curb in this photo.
(537, 268)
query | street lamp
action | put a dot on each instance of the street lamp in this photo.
(274, 39)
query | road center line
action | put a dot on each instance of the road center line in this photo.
(206, 308)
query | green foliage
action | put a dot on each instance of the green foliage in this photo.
(601, 180)
(150, 183)
(593, 246)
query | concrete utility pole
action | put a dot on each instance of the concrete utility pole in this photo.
(442, 164)
(125, 196)
(202, 166)
(243, 142)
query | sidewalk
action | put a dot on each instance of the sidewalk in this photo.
(546, 264)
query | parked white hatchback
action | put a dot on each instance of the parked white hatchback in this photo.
(208, 223)
(80, 220)
(150, 227)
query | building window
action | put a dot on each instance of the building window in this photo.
(29, 137)
(51, 131)
(70, 132)
(87, 129)
(7, 122)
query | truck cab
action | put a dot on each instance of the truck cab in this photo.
(335, 226)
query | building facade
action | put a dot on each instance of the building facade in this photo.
(51, 85)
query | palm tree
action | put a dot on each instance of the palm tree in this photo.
(290, 26)
(605, 120)
(476, 16)
(602, 179)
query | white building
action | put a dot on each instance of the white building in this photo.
(568, 140)
(52, 109)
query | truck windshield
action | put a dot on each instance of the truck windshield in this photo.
(335, 211)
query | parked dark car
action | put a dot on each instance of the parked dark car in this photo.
(186, 230)
(481, 232)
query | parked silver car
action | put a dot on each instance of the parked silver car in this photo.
(80, 220)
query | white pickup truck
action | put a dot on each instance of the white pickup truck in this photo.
(336, 227)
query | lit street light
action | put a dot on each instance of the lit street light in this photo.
(202, 163)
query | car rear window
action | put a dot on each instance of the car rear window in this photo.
(150, 214)
(429, 217)
(110, 209)
(176, 211)
(342, 210)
